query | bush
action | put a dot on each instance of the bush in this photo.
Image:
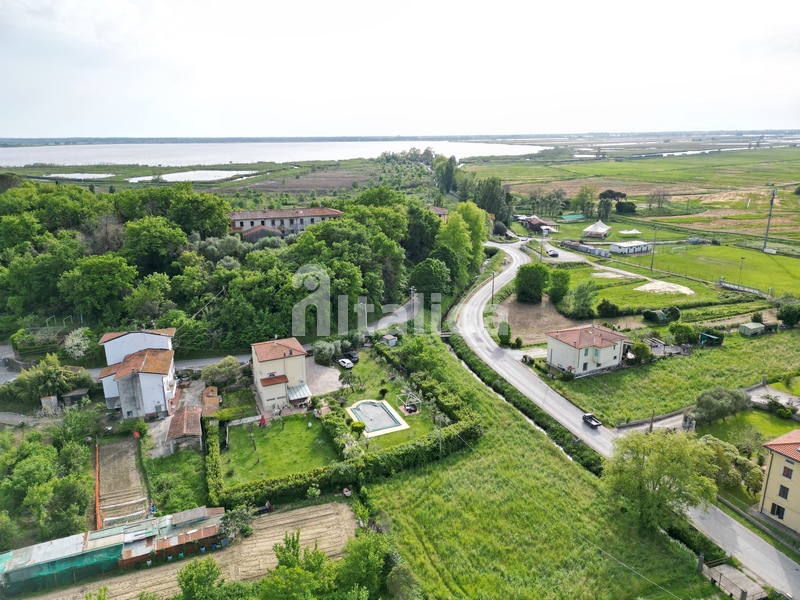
(606, 308)
(323, 352)
(695, 541)
(504, 333)
(233, 413)
(650, 316)
(518, 342)
(214, 467)
(783, 413)
(500, 228)
(128, 427)
(673, 313)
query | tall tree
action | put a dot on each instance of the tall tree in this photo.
(203, 213)
(152, 243)
(531, 282)
(659, 475)
(478, 225)
(491, 197)
(604, 209)
(423, 225)
(97, 284)
(559, 285)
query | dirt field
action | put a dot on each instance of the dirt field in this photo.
(532, 321)
(331, 525)
(122, 490)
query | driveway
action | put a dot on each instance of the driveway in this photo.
(321, 380)
(757, 556)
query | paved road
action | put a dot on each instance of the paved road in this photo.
(757, 557)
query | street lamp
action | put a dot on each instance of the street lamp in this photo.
(741, 266)
(653, 255)
(413, 305)
(364, 305)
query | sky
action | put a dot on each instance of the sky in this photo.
(197, 68)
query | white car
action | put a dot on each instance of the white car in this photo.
(345, 363)
(552, 253)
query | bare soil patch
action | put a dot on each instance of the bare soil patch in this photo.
(664, 287)
(532, 321)
(613, 275)
(330, 525)
(122, 489)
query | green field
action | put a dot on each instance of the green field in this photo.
(177, 481)
(675, 382)
(768, 424)
(518, 519)
(763, 271)
(293, 448)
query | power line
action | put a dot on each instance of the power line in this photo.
(575, 531)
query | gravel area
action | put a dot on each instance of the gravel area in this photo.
(321, 380)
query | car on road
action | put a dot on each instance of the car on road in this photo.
(591, 420)
(345, 363)
(351, 356)
(552, 253)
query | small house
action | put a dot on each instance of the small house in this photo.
(440, 212)
(75, 396)
(780, 492)
(597, 230)
(185, 430)
(279, 374)
(633, 247)
(751, 329)
(390, 340)
(211, 400)
(584, 349)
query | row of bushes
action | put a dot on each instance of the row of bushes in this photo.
(213, 465)
(357, 471)
(581, 453)
(341, 434)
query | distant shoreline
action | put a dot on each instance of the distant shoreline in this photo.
(76, 141)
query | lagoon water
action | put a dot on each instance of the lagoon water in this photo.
(218, 153)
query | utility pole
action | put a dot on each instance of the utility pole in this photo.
(493, 274)
(741, 266)
(541, 250)
(769, 218)
(653, 255)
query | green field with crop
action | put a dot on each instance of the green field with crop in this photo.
(673, 383)
(517, 519)
(766, 423)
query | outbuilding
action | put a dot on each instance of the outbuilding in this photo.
(390, 340)
(597, 230)
(633, 247)
(751, 329)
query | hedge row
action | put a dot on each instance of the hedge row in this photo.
(581, 453)
(234, 412)
(213, 465)
(356, 471)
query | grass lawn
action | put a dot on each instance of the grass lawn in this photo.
(515, 519)
(293, 448)
(768, 424)
(764, 271)
(177, 482)
(674, 383)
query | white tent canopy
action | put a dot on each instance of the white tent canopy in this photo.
(598, 229)
(630, 232)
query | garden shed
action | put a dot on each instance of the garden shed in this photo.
(390, 340)
(751, 329)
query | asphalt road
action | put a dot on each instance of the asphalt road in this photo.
(758, 558)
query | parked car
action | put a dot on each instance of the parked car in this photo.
(552, 253)
(345, 363)
(351, 356)
(591, 420)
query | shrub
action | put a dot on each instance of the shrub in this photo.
(128, 427)
(518, 342)
(606, 308)
(500, 228)
(695, 541)
(783, 413)
(673, 313)
(323, 352)
(757, 317)
(214, 466)
(650, 316)
(234, 412)
(504, 333)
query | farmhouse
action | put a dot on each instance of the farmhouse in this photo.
(585, 349)
(597, 230)
(440, 212)
(140, 376)
(539, 225)
(632, 247)
(185, 430)
(279, 373)
(255, 223)
(780, 498)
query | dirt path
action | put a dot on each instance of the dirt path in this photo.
(331, 525)
(122, 491)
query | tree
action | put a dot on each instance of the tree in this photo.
(431, 276)
(8, 532)
(423, 225)
(152, 243)
(149, 299)
(459, 277)
(47, 378)
(683, 334)
(224, 370)
(718, 403)
(73, 457)
(641, 352)
(604, 209)
(732, 468)
(358, 427)
(204, 213)
(531, 281)
(659, 475)
(748, 440)
(237, 520)
(625, 207)
(612, 195)
(657, 197)
(789, 314)
(77, 342)
(582, 300)
(97, 284)
(198, 580)
(491, 197)
(559, 285)
(363, 562)
(584, 200)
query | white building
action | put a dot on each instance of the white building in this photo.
(584, 349)
(632, 247)
(597, 230)
(279, 373)
(140, 376)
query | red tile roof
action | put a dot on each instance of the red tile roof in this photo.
(268, 381)
(587, 336)
(169, 331)
(210, 400)
(439, 210)
(146, 361)
(788, 445)
(284, 213)
(185, 422)
(276, 349)
(109, 370)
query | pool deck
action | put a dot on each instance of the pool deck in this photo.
(371, 434)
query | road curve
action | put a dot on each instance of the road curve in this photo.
(469, 323)
(758, 558)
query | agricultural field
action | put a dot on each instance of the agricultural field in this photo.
(178, 481)
(515, 518)
(674, 382)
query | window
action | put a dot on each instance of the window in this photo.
(273, 222)
(787, 472)
(783, 492)
(291, 221)
(262, 222)
(615, 358)
(302, 221)
(241, 223)
(252, 223)
(281, 221)
(777, 511)
(130, 413)
(585, 366)
(586, 352)
(312, 220)
(597, 352)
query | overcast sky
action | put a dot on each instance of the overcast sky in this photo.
(252, 68)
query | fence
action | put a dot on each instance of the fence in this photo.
(727, 585)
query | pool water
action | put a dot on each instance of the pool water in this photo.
(374, 415)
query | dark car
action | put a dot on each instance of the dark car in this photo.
(552, 253)
(352, 356)
(591, 420)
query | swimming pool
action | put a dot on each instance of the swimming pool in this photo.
(378, 416)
